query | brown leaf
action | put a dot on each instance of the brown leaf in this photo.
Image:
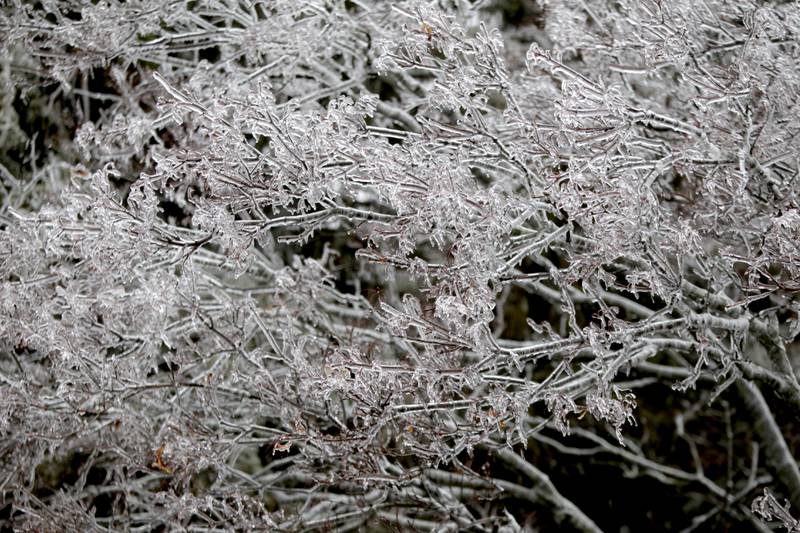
(159, 462)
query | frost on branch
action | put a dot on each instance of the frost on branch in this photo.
(316, 265)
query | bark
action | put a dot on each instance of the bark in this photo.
(777, 452)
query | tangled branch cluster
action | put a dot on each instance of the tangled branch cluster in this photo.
(266, 278)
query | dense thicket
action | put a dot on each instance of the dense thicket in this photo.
(445, 265)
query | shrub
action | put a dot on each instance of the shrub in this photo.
(302, 265)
